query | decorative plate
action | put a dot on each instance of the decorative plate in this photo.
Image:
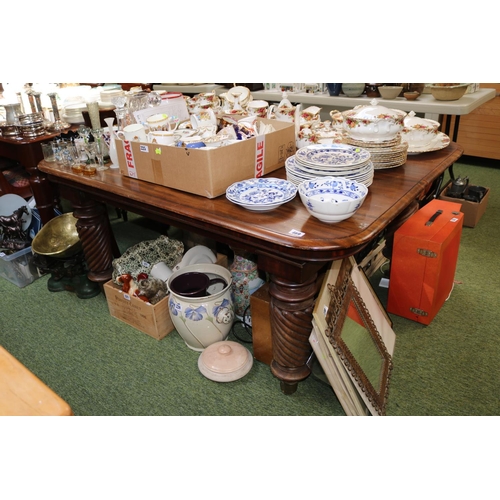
(261, 193)
(332, 155)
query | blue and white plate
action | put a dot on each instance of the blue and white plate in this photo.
(332, 155)
(261, 194)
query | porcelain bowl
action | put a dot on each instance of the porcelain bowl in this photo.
(389, 91)
(448, 92)
(332, 199)
(373, 122)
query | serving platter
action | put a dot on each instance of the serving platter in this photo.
(441, 141)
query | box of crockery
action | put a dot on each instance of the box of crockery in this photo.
(153, 320)
(208, 172)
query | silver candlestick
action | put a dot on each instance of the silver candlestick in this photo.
(58, 123)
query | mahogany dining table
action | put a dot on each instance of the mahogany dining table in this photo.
(289, 244)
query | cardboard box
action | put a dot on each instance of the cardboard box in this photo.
(18, 267)
(208, 172)
(472, 211)
(152, 320)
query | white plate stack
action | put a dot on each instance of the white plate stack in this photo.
(332, 160)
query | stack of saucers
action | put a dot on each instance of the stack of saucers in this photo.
(385, 154)
(330, 160)
(261, 194)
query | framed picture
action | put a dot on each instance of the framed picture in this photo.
(354, 336)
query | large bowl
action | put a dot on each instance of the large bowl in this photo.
(58, 238)
(332, 199)
(373, 122)
(448, 92)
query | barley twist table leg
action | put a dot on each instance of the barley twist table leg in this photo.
(291, 324)
(96, 237)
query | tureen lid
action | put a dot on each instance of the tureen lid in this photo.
(411, 120)
(225, 361)
(374, 110)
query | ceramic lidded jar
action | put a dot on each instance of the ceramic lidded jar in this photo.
(419, 132)
(373, 122)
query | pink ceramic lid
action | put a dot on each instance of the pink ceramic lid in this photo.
(225, 361)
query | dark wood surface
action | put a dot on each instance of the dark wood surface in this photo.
(293, 262)
(269, 232)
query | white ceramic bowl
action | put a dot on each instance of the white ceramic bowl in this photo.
(332, 199)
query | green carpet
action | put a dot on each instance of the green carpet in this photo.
(102, 366)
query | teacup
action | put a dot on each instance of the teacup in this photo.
(164, 137)
(161, 271)
(133, 132)
(159, 121)
(194, 141)
(211, 98)
(259, 108)
(204, 118)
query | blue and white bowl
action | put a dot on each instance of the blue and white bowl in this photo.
(332, 199)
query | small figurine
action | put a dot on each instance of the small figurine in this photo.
(12, 227)
(152, 288)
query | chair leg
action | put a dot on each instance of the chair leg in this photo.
(122, 214)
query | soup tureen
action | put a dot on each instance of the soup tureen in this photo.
(373, 122)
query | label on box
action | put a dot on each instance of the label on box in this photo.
(129, 158)
(260, 149)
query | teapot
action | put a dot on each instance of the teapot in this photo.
(458, 187)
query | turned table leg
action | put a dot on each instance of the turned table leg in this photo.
(98, 242)
(292, 306)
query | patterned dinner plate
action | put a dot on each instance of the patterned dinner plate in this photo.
(261, 193)
(332, 155)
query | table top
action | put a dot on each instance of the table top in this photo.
(286, 231)
(424, 104)
(24, 141)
